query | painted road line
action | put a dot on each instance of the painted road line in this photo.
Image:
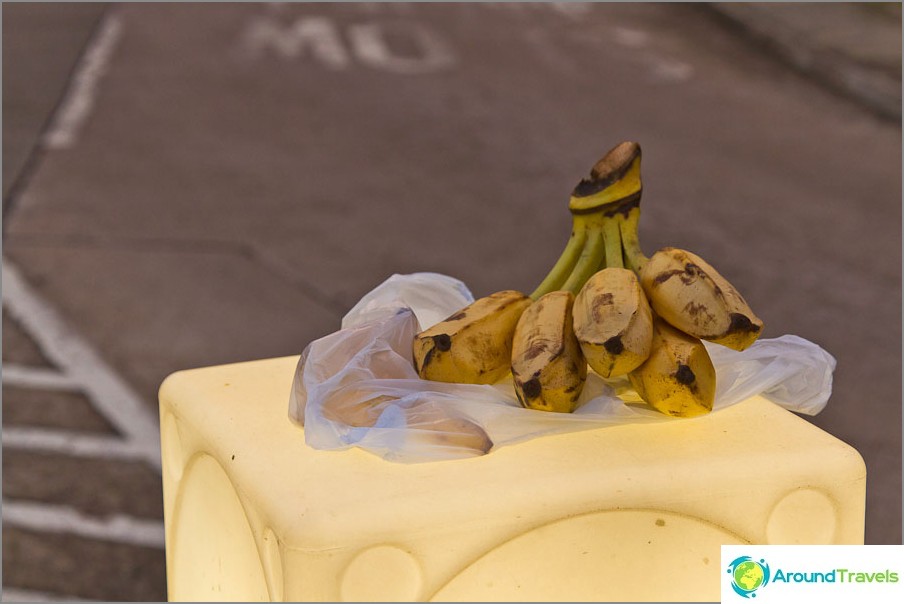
(15, 594)
(80, 96)
(630, 37)
(666, 69)
(73, 444)
(54, 518)
(39, 378)
(572, 10)
(661, 68)
(110, 395)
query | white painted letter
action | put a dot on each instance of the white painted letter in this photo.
(318, 33)
(369, 44)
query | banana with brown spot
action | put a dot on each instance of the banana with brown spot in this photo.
(691, 295)
(474, 345)
(548, 367)
(678, 378)
(613, 322)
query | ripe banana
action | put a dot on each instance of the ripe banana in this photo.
(691, 295)
(548, 367)
(474, 345)
(678, 378)
(613, 323)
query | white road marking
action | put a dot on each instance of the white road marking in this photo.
(82, 368)
(369, 43)
(661, 67)
(40, 378)
(14, 594)
(109, 394)
(322, 38)
(79, 99)
(53, 518)
(74, 444)
(319, 34)
(631, 38)
(667, 69)
(572, 10)
(276, 7)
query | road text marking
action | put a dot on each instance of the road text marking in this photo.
(367, 43)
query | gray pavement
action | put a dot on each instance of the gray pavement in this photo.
(222, 183)
(41, 45)
(853, 49)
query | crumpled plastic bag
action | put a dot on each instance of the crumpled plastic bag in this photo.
(357, 387)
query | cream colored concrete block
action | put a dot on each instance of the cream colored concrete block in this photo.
(622, 513)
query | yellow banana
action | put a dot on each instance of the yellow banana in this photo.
(678, 378)
(691, 295)
(473, 346)
(613, 323)
(548, 367)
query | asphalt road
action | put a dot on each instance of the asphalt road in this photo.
(221, 183)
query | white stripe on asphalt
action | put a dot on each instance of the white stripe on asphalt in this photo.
(40, 378)
(53, 518)
(72, 443)
(15, 594)
(111, 396)
(79, 99)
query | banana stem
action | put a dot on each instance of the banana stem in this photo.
(633, 254)
(593, 253)
(613, 243)
(566, 262)
(599, 237)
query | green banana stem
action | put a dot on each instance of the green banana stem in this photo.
(613, 243)
(566, 262)
(593, 254)
(597, 240)
(634, 257)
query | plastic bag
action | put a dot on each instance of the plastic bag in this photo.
(357, 387)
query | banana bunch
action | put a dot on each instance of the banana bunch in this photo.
(603, 304)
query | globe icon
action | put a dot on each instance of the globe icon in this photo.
(748, 575)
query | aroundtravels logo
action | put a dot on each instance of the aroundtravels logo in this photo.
(812, 573)
(748, 575)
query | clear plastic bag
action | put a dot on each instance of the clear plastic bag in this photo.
(357, 387)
